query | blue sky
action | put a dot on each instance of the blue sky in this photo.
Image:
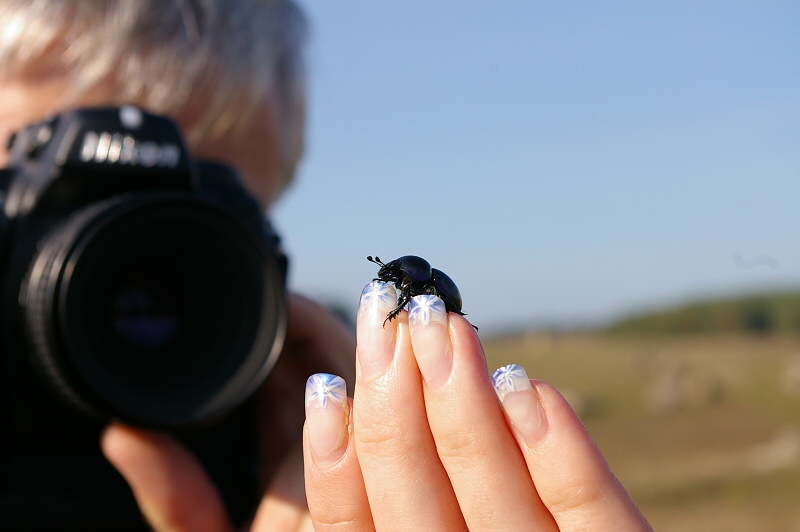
(564, 162)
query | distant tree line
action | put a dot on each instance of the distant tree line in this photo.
(758, 314)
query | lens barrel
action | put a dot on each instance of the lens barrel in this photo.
(160, 309)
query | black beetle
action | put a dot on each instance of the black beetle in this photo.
(413, 276)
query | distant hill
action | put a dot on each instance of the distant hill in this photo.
(760, 313)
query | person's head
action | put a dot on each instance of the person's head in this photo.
(229, 71)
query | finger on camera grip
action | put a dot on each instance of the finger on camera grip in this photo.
(337, 498)
(473, 440)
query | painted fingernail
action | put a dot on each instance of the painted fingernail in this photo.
(375, 341)
(430, 338)
(521, 402)
(326, 417)
(425, 309)
(511, 378)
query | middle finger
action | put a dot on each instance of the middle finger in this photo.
(484, 463)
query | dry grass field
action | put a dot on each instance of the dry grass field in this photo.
(703, 430)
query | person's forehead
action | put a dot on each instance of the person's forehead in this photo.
(24, 102)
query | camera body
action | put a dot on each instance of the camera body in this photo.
(136, 284)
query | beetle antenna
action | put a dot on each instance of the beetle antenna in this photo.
(376, 260)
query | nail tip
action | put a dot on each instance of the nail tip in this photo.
(510, 378)
(324, 387)
(377, 298)
(426, 308)
(379, 290)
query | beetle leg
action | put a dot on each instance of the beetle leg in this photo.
(394, 313)
(402, 301)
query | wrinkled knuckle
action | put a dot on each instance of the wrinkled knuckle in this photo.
(386, 438)
(578, 496)
(460, 444)
(344, 521)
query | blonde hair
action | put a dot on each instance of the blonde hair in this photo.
(224, 59)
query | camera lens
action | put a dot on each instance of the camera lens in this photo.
(162, 310)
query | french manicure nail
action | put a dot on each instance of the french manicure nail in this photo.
(427, 321)
(375, 341)
(511, 378)
(326, 417)
(425, 309)
(521, 402)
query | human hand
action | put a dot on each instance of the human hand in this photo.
(426, 445)
(170, 485)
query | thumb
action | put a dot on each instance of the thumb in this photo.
(171, 487)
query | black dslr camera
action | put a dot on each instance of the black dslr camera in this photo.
(136, 284)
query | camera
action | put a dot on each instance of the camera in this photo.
(136, 284)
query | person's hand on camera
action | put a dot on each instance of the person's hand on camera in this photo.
(426, 445)
(171, 487)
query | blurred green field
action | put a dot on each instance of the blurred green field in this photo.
(704, 430)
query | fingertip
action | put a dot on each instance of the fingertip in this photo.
(168, 482)
(566, 458)
(554, 399)
(559, 411)
(110, 441)
(566, 432)
(122, 444)
(461, 324)
(465, 338)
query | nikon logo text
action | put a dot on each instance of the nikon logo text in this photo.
(116, 148)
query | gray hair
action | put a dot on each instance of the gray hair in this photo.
(227, 58)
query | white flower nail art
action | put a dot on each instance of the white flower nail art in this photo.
(322, 387)
(511, 378)
(426, 307)
(380, 294)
